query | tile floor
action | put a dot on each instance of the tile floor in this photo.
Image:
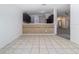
(40, 44)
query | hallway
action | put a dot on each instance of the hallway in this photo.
(40, 44)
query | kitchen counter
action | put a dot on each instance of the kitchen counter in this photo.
(38, 28)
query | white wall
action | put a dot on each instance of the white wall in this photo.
(10, 24)
(74, 23)
(55, 21)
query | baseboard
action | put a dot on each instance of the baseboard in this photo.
(38, 34)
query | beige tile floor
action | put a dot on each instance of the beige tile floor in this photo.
(40, 44)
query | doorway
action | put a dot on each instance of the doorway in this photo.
(38, 23)
(63, 28)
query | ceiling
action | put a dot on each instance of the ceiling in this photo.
(42, 8)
